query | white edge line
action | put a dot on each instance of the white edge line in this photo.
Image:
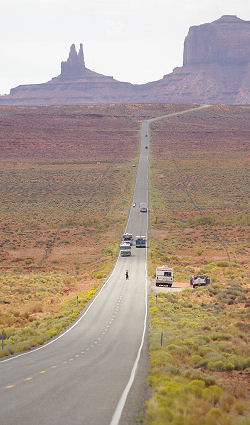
(121, 403)
(71, 327)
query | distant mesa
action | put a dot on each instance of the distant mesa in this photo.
(216, 69)
(225, 41)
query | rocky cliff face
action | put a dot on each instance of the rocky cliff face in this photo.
(224, 42)
(216, 66)
(216, 69)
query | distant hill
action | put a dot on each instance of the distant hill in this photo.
(216, 69)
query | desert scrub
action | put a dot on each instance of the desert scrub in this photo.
(195, 372)
(198, 195)
(41, 327)
(36, 306)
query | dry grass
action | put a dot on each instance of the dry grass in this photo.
(199, 192)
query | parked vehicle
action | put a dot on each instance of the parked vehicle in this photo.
(143, 207)
(140, 241)
(125, 249)
(164, 275)
(199, 280)
(127, 237)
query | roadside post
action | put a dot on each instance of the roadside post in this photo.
(2, 340)
(161, 338)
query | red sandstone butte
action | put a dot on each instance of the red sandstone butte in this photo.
(216, 69)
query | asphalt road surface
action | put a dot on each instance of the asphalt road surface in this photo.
(85, 375)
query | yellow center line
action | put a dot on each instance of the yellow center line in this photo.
(70, 360)
(42, 371)
(65, 362)
(77, 355)
(82, 352)
(53, 367)
(8, 387)
(28, 379)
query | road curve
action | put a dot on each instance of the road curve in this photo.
(83, 377)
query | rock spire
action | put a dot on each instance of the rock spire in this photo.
(74, 67)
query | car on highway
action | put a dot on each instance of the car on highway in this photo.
(143, 207)
(140, 241)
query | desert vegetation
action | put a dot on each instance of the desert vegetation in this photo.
(199, 198)
(66, 187)
(199, 357)
(200, 371)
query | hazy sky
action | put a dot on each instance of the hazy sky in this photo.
(132, 40)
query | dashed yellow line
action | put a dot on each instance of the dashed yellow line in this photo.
(29, 378)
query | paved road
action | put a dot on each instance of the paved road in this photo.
(83, 377)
